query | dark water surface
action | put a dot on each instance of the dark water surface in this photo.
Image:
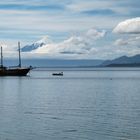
(81, 105)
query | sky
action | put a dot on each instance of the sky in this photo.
(79, 29)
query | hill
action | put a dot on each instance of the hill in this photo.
(123, 61)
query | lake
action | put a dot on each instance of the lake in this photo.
(84, 104)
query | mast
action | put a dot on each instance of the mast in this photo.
(19, 54)
(1, 58)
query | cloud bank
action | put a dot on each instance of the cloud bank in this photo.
(78, 44)
(87, 44)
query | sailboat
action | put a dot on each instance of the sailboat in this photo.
(16, 70)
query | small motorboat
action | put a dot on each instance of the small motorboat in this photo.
(58, 74)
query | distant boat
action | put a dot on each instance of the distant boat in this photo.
(58, 74)
(14, 70)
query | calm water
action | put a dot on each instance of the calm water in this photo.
(81, 105)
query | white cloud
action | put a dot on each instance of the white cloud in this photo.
(94, 34)
(120, 42)
(80, 44)
(131, 34)
(130, 26)
(84, 46)
(133, 41)
(129, 42)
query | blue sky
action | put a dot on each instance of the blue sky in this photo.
(30, 20)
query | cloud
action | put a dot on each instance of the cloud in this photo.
(100, 12)
(81, 46)
(80, 6)
(78, 44)
(130, 26)
(131, 29)
(133, 41)
(121, 42)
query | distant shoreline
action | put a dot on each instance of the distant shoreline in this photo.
(87, 69)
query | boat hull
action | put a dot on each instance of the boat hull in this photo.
(14, 72)
(58, 74)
